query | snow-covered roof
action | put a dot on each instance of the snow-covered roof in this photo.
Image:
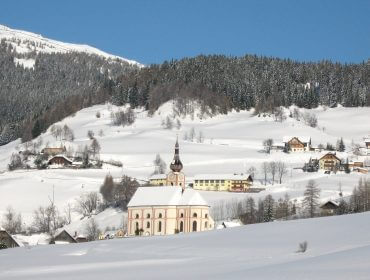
(367, 140)
(158, 176)
(303, 139)
(221, 177)
(62, 156)
(171, 196)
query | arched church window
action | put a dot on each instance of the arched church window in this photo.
(181, 226)
(148, 225)
(206, 216)
(137, 216)
(136, 226)
(206, 225)
(182, 215)
(195, 226)
(160, 215)
(148, 216)
(159, 226)
(195, 215)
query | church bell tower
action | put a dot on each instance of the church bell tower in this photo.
(176, 177)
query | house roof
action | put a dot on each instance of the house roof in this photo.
(332, 154)
(158, 176)
(62, 156)
(303, 139)
(367, 140)
(169, 196)
(222, 177)
(60, 231)
(333, 202)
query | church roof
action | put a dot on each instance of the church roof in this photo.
(169, 196)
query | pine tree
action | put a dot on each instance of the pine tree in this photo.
(311, 198)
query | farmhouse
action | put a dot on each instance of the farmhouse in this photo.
(6, 240)
(59, 160)
(329, 162)
(223, 182)
(329, 207)
(167, 210)
(53, 151)
(297, 144)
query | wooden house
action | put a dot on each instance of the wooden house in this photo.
(6, 240)
(329, 208)
(63, 237)
(329, 162)
(60, 160)
(53, 151)
(297, 144)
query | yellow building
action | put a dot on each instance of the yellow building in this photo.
(223, 182)
(329, 162)
(158, 180)
(167, 210)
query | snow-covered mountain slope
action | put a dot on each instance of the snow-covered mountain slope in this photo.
(338, 248)
(26, 42)
(232, 144)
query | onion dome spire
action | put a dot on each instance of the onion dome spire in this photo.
(176, 164)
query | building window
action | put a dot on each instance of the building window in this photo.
(148, 225)
(223, 181)
(148, 216)
(182, 215)
(195, 226)
(212, 181)
(159, 226)
(205, 224)
(137, 216)
(160, 215)
(195, 215)
(206, 181)
(136, 226)
(206, 216)
(181, 226)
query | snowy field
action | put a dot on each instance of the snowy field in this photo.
(232, 144)
(338, 248)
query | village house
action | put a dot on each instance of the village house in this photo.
(6, 240)
(167, 210)
(329, 162)
(223, 182)
(158, 180)
(297, 144)
(53, 151)
(60, 160)
(329, 208)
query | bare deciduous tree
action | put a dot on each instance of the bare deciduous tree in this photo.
(87, 203)
(12, 222)
(281, 170)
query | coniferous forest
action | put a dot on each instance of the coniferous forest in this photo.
(61, 84)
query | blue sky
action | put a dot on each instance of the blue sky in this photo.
(152, 31)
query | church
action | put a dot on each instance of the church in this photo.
(169, 209)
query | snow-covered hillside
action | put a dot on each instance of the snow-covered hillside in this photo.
(232, 144)
(26, 42)
(338, 248)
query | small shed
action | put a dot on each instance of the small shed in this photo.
(6, 240)
(63, 237)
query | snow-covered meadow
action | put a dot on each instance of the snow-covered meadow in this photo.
(232, 144)
(338, 248)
